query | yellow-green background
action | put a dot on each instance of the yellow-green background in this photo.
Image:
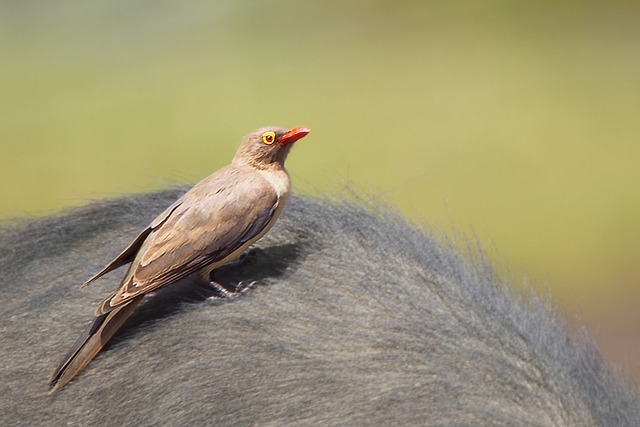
(518, 121)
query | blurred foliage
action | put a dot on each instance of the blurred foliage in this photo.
(516, 119)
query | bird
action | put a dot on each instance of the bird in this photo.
(209, 226)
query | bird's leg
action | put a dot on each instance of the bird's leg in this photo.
(222, 291)
(225, 293)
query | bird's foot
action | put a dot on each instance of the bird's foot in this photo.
(226, 293)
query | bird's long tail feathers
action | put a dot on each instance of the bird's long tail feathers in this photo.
(90, 343)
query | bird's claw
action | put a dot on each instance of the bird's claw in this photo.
(224, 293)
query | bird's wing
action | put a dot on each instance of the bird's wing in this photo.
(90, 343)
(215, 219)
(129, 253)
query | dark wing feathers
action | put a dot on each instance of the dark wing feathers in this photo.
(214, 220)
(130, 252)
(90, 343)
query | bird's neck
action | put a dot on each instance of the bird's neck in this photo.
(258, 164)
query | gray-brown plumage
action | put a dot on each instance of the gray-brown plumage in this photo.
(210, 225)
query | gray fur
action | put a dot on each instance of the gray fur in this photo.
(360, 319)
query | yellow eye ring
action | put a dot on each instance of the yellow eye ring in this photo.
(268, 137)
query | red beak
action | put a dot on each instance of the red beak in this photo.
(293, 135)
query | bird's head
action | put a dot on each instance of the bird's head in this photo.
(268, 146)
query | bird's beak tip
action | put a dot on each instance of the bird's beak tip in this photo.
(294, 134)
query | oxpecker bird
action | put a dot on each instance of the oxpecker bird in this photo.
(209, 226)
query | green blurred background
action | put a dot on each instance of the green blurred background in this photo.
(518, 121)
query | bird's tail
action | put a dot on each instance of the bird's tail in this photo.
(89, 344)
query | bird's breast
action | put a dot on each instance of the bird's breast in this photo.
(279, 180)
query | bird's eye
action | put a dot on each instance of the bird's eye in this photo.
(268, 137)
